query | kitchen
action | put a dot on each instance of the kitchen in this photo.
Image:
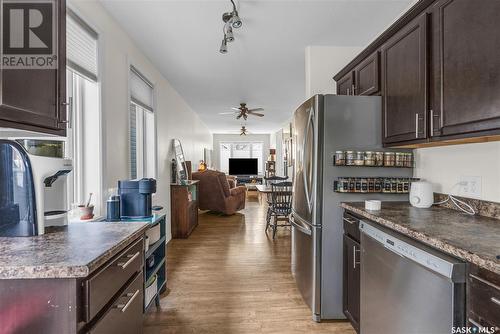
(418, 104)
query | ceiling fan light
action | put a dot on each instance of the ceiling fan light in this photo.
(236, 21)
(223, 46)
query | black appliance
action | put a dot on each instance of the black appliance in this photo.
(17, 192)
(243, 166)
(136, 198)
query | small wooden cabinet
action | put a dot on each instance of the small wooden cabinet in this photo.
(345, 86)
(404, 83)
(35, 99)
(351, 270)
(184, 208)
(367, 76)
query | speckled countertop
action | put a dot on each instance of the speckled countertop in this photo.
(72, 251)
(472, 238)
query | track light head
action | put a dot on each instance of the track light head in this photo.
(235, 20)
(229, 34)
(223, 46)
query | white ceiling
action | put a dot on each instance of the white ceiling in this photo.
(265, 64)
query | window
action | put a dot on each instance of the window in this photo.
(142, 127)
(241, 150)
(83, 142)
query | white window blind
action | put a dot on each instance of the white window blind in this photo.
(81, 46)
(141, 90)
(142, 142)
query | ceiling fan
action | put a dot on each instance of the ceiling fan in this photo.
(243, 111)
(243, 131)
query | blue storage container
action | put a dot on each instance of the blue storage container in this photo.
(136, 198)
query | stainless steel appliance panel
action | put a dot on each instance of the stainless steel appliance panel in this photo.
(400, 295)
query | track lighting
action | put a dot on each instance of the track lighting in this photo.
(231, 20)
(223, 46)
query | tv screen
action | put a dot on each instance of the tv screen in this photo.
(243, 166)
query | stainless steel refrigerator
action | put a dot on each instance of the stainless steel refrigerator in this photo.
(322, 125)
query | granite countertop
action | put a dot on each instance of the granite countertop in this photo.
(471, 238)
(71, 251)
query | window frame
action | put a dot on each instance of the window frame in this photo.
(231, 144)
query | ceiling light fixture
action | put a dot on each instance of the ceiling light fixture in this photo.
(231, 20)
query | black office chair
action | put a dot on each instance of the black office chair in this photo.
(281, 205)
(268, 181)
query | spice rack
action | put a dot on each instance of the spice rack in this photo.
(351, 158)
(370, 184)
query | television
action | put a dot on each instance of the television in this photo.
(243, 166)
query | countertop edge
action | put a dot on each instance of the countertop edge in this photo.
(430, 241)
(69, 271)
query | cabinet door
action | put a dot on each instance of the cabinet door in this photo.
(404, 83)
(346, 84)
(367, 76)
(466, 67)
(351, 281)
(34, 99)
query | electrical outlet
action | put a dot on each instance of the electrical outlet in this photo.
(470, 186)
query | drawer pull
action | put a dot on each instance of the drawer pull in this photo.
(475, 323)
(124, 307)
(350, 221)
(485, 281)
(495, 300)
(131, 258)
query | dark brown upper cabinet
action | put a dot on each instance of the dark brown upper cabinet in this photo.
(466, 68)
(404, 83)
(345, 86)
(35, 100)
(367, 76)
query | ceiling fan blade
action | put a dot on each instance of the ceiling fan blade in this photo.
(236, 109)
(256, 109)
(256, 114)
(227, 113)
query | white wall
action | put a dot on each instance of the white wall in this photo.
(218, 138)
(322, 63)
(444, 166)
(175, 119)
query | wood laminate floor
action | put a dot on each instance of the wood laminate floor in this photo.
(229, 277)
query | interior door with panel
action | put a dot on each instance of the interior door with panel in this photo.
(404, 83)
(346, 84)
(367, 75)
(35, 99)
(466, 67)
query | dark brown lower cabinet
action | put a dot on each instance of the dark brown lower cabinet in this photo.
(351, 281)
(184, 208)
(483, 299)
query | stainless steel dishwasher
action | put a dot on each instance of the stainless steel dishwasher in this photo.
(407, 287)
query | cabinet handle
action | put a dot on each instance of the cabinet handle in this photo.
(354, 262)
(495, 300)
(124, 307)
(353, 89)
(130, 259)
(475, 323)
(417, 123)
(69, 112)
(348, 91)
(350, 221)
(484, 281)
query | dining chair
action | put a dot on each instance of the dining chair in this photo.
(267, 182)
(281, 205)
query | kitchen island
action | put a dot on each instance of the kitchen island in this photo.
(73, 279)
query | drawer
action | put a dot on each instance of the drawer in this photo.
(484, 300)
(351, 225)
(124, 316)
(103, 285)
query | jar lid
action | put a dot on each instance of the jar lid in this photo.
(389, 153)
(369, 152)
(337, 152)
(349, 151)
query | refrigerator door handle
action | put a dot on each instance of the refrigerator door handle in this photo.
(304, 163)
(304, 228)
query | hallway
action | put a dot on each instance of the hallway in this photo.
(229, 277)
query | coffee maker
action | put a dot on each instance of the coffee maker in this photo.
(33, 187)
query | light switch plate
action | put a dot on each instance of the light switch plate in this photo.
(471, 186)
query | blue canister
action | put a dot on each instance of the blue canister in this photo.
(113, 209)
(136, 198)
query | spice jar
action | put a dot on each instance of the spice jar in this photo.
(400, 159)
(394, 185)
(352, 185)
(389, 159)
(409, 160)
(371, 185)
(349, 158)
(379, 159)
(359, 160)
(379, 184)
(339, 159)
(386, 188)
(364, 185)
(357, 185)
(369, 158)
